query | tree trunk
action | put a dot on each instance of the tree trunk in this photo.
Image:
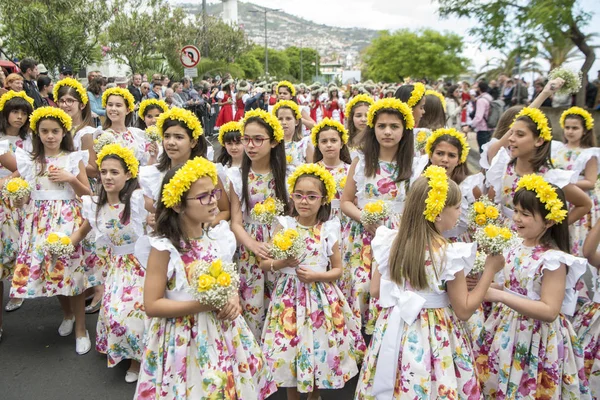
(580, 41)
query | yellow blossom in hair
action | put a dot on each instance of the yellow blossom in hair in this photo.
(439, 96)
(287, 104)
(438, 192)
(288, 85)
(50, 112)
(124, 153)
(587, 117)
(539, 119)
(75, 84)
(148, 102)
(232, 126)
(179, 114)
(416, 95)
(319, 172)
(546, 194)
(268, 118)
(11, 94)
(435, 135)
(183, 179)
(124, 93)
(358, 99)
(328, 123)
(391, 104)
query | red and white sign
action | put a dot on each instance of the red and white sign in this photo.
(190, 56)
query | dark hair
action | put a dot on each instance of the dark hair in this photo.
(43, 82)
(124, 195)
(588, 139)
(461, 171)
(558, 234)
(352, 131)
(506, 120)
(294, 99)
(344, 152)
(434, 117)
(128, 118)
(404, 154)
(95, 85)
(86, 113)
(16, 104)
(404, 92)
(141, 124)
(450, 93)
(27, 63)
(38, 154)
(325, 210)
(483, 86)
(542, 154)
(200, 150)
(224, 157)
(277, 163)
(298, 130)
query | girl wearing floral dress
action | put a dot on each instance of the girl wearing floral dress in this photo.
(116, 217)
(232, 151)
(149, 111)
(527, 348)
(383, 172)
(56, 174)
(298, 149)
(356, 121)
(311, 335)
(261, 176)
(287, 91)
(15, 109)
(191, 350)
(419, 349)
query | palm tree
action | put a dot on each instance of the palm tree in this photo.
(561, 49)
(507, 64)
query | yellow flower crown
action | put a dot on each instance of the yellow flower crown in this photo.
(50, 112)
(438, 192)
(326, 122)
(416, 95)
(360, 98)
(439, 96)
(288, 85)
(144, 104)
(266, 117)
(394, 104)
(11, 94)
(450, 132)
(232, 126)
(547, 195)
(587, 117)
(539, 119)
(318, 171)
(187, 117)
(125, 153)
(181, 182)
(74, 83)
(287, 104)
(117, 91)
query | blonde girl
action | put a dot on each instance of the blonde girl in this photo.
(298, 149)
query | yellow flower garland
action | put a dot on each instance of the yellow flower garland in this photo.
(183, 179)
(75, 84)
(327, 122)
(439, 96)
(125, 153)
(144, 104)
(288, 85)
(117, 91)
(50, 112)
(232, 126)
(438, 192)
(546, 194)
(180, 114)
(11, 94)
(360, 98)
(416, 95)
(321, 173)
(266, 117)
(539, 119)
(394, 104)
(435, 135)
(587, 117)
(287, 104)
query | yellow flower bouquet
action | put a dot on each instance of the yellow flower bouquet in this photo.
(341, 184)
(479, 264)
(16, 189)
(152, 134)
(287, 244)
(104, 139)
(213, 283)
(58, 244)
(421, 140)
(266, 211)
(374, 212)
(482, 212)
(493, 239)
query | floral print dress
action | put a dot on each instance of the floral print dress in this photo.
(134, 139)
(311, 336)
(295, 152)
(53, 207)
(199, 356)
(419, 349)
(519, 357)
(120, 327)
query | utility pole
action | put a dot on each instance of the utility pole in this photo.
(301, 68)
(265, 11)
(204, 30)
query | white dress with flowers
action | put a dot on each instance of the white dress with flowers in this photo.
(150, 179)
(295, 152)
(135, 140)
(120, 327)
(199, 356)
(86, 130)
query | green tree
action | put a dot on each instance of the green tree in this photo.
(526, 21)
(251, 66)
(309, 57)
(425, 53)
(55, 33)
(279, 63)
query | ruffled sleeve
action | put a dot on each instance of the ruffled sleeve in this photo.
(141, 143)
(176, 267)
(496, 172)
(235, 178)
(25, 164)
(470, 183)
(88, 211)
(359, 176)
(419, 164)
(150, 179)
(459, 257)
(555, 147)
(225, 240)
(138, 212)
(330, 234)
(74, 158)
(286, 222)
(582, 159)
(87, 130)
(483, 159)
(221, 173)
(381, 246)
(4, 147)
(210, 153)
(304, 143)
(561, 177)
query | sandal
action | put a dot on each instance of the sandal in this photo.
(13, 305)
(93, 308)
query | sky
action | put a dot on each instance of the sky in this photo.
(411, 14)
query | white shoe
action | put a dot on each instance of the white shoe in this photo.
(83, 344)
(131, 377)
(66, 327)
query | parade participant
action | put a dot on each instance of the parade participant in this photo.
(225, 101)
(414, 96)
(287, 91)
(356, 121)
(149, 111)
(298, 148)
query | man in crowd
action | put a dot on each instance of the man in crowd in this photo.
(145, 90)
(156, 92)
(65, 72)
(135, 87)
(30, 73)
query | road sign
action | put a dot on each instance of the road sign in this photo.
(190, 56)
(190, 72)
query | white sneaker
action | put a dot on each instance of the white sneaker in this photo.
(131, 376)
(83, 344)
(66, 327)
